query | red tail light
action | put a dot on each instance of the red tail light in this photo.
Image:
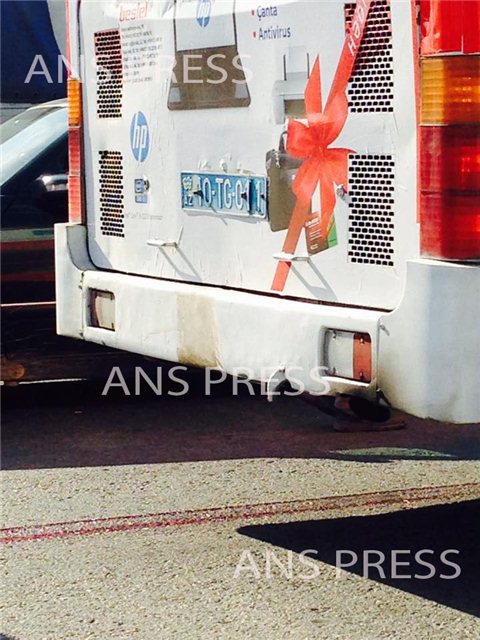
(450, 132)
(450, 194)
(450, 26)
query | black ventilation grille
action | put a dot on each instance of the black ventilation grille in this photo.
(111, 194)
(371, 229)
(371, 82)
(108, 53)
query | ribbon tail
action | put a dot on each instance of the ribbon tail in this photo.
(327, 195)
(336, 114)
(313, 92)
(295, 228)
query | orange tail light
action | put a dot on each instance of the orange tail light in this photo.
(75, 179)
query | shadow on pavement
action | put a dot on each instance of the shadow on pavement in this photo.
(73, 425)
(437, 528)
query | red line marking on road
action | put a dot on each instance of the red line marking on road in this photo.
(403, 497)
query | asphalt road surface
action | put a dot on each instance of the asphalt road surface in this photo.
(224, 517)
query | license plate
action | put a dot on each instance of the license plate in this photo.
(221, 193)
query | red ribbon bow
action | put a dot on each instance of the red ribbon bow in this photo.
(311, 143)
(322, 165)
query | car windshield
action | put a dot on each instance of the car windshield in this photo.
(22, 120)
(24, 136)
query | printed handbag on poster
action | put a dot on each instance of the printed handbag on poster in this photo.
(281, 171)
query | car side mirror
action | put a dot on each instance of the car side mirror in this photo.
(55, 183)
(51, 195)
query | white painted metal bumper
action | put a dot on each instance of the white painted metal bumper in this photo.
(425, 354)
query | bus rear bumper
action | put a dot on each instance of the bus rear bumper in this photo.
(417, 357)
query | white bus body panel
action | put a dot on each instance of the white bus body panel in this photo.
(238, 251)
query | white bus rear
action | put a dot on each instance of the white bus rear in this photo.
(216, 221)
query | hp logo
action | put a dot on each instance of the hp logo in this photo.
(139, 137)
(204, 8)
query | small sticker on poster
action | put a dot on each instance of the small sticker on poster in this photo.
(316, 241)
